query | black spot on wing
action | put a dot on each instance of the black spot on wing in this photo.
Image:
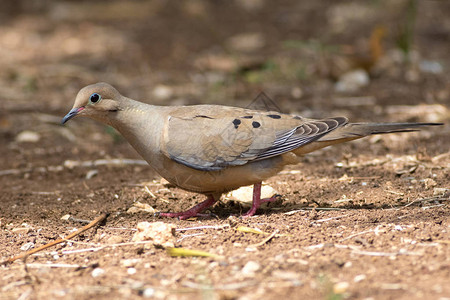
(236, 123)
(256, 124)
(203, 116)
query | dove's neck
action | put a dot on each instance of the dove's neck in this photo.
(141, 125)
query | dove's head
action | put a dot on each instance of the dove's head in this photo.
(97, 101)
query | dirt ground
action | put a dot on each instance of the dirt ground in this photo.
(363, 220)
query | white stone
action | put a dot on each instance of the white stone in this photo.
(131, 271)
(162, 92)
(341, 287)
(244, 194)
(97, 272)
(359, 278)
(28, 137)
(352, 81)
(250, 268)
(148, 293)
(27, 246)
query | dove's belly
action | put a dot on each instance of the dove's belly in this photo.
(219, 181)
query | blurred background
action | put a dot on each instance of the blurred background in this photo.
(373, 61)
(376, 60)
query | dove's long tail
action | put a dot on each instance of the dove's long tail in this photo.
(359, 130)
(353, 131)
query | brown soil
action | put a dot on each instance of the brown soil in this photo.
(363, 220)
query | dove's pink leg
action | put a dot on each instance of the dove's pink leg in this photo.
(192, 212)
(257, 201)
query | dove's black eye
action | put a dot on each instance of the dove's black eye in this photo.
(94, 98)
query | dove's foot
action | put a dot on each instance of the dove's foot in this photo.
(257, 201)
(192, 212)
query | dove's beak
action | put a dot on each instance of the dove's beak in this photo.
(72, 113)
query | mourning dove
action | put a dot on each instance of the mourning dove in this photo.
(213, 149)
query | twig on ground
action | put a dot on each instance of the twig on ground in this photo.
(52, 266)
(189, 235)
(395, 192)
(44, 193)
(78, 220)
(203, 227)
(312, 208)
(147, 190)
(356, 234)
(81, 230)
(435, 198)
(265, 240)
(15, 171)
(120, 228)
(365, 178)
(25, 295)
(440, 156)
(329, 219)
(64, 252)
(433, 206)
(14, 285)
(104, 162)
(443, 241)
(91, 244)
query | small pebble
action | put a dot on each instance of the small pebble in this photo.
(250, 268)
(286, 275)
(429, 183)
(131, 271)
(65, 217)
(440, 191)
(28, 137)
(244, 195)
(359, 278)
(348, 264)
(141, 207)
(296, 92)
(148, 292)
(341, 287)
(131, 262)
(162, 92)
(162, 234)
(352, 81)
(27, 246)
(91, 174)
(114, 239)
(246, 42)
(97, 272)
(429, 66)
